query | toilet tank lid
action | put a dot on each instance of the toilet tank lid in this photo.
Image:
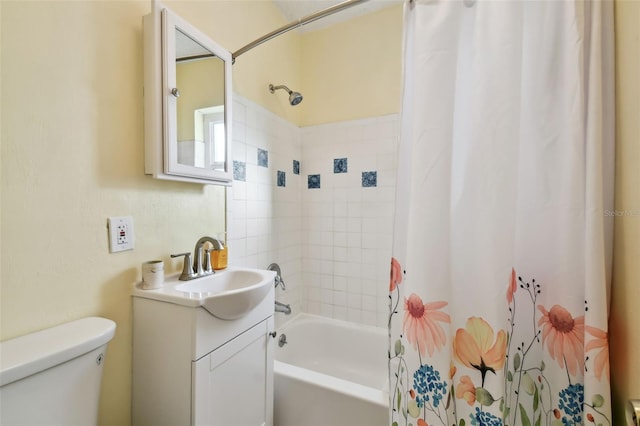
(29, 354)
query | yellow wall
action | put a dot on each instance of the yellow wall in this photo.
(72, 155)
(348, 71)
(353, 69)
(235, 23)
(624, 323)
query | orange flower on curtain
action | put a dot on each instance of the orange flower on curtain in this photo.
(513, 286)
(421, 324)
(564, 337)
(467, 390)
(601, 362)
(396, 274)
(475, 347)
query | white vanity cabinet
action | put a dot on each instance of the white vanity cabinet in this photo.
(233, 383)
(191, 368)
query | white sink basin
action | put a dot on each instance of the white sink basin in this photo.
(228, 294)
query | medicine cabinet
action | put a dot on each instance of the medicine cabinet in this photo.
(187, 101)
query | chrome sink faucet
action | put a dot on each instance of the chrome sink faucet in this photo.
(201, 259)
(200, 265)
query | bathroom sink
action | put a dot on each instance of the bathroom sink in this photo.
(228, 294)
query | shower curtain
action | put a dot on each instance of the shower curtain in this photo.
(502, 238)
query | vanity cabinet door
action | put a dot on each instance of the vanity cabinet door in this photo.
(233, 385)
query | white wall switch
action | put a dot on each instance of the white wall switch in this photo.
(120, 233)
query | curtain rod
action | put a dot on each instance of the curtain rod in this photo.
(295, 24)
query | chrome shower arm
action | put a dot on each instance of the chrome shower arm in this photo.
(294, 97)
(273, 88)
(295, 24)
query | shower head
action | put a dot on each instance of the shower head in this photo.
(294, 97)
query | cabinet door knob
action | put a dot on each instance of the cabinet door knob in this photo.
(273, 334)
(175, 92)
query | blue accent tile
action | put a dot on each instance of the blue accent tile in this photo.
(281, 178)
(369, 179)
(313, 181)
(263, 158)
(340, 165)
(239, 171)
(296, 167)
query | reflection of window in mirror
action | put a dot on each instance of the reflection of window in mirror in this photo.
(214, 139)
(200, 79)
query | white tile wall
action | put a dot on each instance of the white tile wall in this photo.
(333, 243)
(264, 220)
(347, 229)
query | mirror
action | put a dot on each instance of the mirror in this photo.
(200, 105)
(190, 139)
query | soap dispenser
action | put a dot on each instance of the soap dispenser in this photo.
(219, 258)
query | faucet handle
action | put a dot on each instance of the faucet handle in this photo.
(187, 269)
(208, 269)
(198, 262)
(278, 280)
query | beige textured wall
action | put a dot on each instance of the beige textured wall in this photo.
(625, 322)
(72, 155)
(353, 69)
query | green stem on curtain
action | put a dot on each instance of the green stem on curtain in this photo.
(437, 413)
(524, 355)
(567, 368)
(398, 373)
(393, 311)
(599, 412)
(509, 387)
(541, 373)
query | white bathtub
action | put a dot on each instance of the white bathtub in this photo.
(331, 373)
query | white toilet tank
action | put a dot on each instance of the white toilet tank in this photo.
(52, 377)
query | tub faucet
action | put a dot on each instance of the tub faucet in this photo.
(278, 280)
(282, 340)
(281, 307)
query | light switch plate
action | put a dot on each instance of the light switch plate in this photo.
(120, 233)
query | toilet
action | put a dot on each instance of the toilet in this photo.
(52, 377)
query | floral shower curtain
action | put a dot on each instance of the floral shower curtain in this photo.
(501, 256)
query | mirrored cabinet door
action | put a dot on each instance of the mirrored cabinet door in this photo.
(193, 140)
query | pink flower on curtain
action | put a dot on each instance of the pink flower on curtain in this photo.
(564, 337)
(601, 362)
(467, 390)
(475, 347)
(420, 324)
(513, 286)
(396, 274)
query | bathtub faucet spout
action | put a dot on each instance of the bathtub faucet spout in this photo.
(281, 307)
